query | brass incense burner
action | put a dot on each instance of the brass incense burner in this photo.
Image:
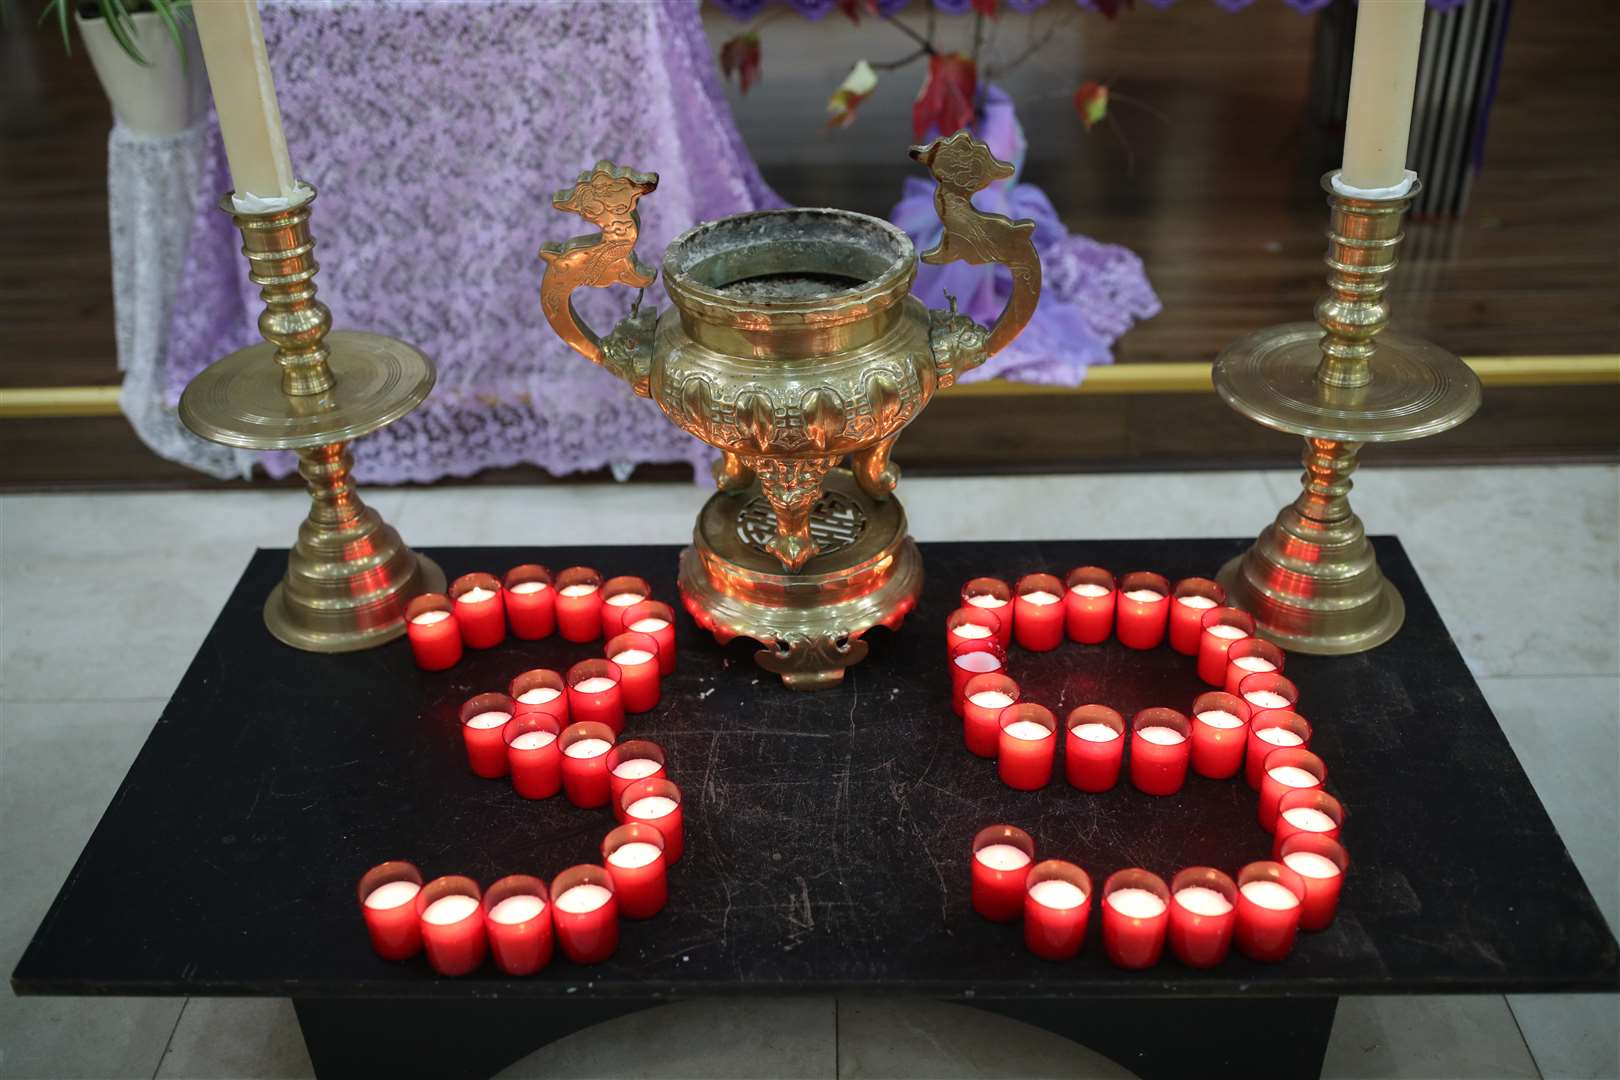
(794, 343)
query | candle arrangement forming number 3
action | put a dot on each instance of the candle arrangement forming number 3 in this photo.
(1247, 724)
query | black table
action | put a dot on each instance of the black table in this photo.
(827, 838)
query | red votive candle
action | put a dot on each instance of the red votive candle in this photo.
(480, 611)
(619, 595)
(1221, 627)
(1088, 604)
(1038, 612)
(1161, 747)
(1094, 748)
(584, 746)
(633, 854)
(1027, 746)
(1002, 856)
(430, 623)
(1220, 734)
(540, 690)
(595, 693)
(983, 698)
(1249, 656)
(1191, 598)
(1307, 810)
(482, 720)
(532, 754)
(1135, 917)
(585, 913)
(1321, 864)
(579, 603)
(1203, 912)
(658, 619)
(451, 915)
(971, 624)
(388, 904)
(1268, 691)
(1143, 610)
(1267, 732)
(970, 658)
(531, 603)
(637, 658)
(996, 596)
(517, 920)
(656, 801)
(629, 761)
(1268, 910)
(1288, 768)
(1057, 907)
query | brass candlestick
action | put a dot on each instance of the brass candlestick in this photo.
(349, 575)
(1311, 580)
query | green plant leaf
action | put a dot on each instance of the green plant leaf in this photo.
(165, 11)
(122, 26)
(61, 9)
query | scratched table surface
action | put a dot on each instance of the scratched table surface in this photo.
(827, 833)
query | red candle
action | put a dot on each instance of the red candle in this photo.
(1002, 856)
(452, 922)
(532, 754)
(540, 690)
(1143, 610)
(1268, 904)
(1160, 750)
(482, 719)
(658, 619)
(1288, 768)
(1321, 864)
(619, 595)
(629, 761)
(595, 693)
(430, 623)
(1027, 747)
(1203, 912)
(971, 624)
(970, 658)
(1038, 612)
(1088, 604)
(657, 802)
(1057, 907)
(531, 603)
(1136, 914)
(1268, 731)
(1221, 627)
(1307, 810)
(1192, 597)
(634, 856)
(1268, 691)
(637, 658)
(480, 611)
(585, 745)
(996, 596)
(585, 913)
(388, 905)
(983, 698)
(517, 920)
(579, 603)
(1095, 747)
(1220, 734)
(1249, 656)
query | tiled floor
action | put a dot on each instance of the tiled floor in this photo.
(86, 666)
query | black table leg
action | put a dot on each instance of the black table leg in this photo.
(442, 1038)
(1251, 1037)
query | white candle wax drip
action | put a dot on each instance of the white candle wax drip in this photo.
(1002, 857)
(1310, 864)
(392, 895)
(539, 695)
(638, 768)
(649, 625)
(1145, 596)
(533, 740)
(596, 684)
(524, 588)
(1136, 903)
(1202, 900)
(1309, 819)
(1039, 597)
(1266, 699)
(635, 854)
(986, 600)
(449, 909)
(588, 748)
(1202, 603)
(1279, 736)
(1027, 730)
(1059, 895)
(1095, 732)
(1220, 718)
(630, 658)
(577, 590)
(1230, 633)
(1086, 589)
(991, 699)
(1159, 735)
(517, 909)
(978, 662)
(428, 618)
(582, 898)
(649, 807)
(1271, 895)
(972, 631)
(477, 594)
(1293, 776)
(1254, 663)
(485, 720)
(625, 599)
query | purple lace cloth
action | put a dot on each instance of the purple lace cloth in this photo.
(815, 9)
(1090, 292)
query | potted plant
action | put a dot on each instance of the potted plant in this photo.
(145, 54)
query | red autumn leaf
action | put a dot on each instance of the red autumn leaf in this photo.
(946, 98)
(1091, 102)
(986, 7)
(855, 8)
(741, 55)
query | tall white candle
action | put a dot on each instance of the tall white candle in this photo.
(1382, 79)
(245, 98)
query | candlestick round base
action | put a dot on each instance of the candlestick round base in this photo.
(867, 573)
(351, 611)
(1332, 608)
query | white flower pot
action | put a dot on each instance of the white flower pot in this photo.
(161, 99)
